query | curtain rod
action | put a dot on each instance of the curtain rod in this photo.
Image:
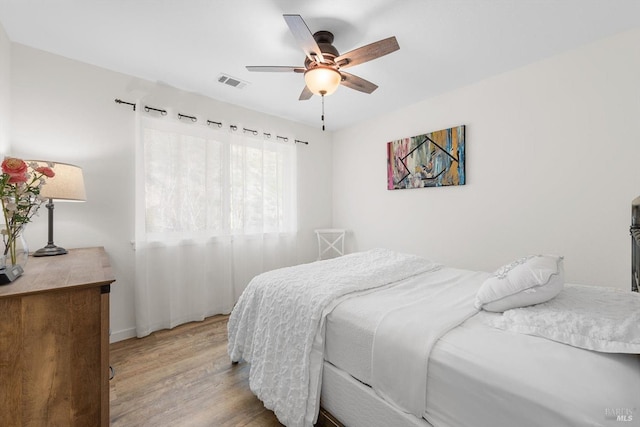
(209, 122)
(120, 101)
(181, 116)
(147, 109)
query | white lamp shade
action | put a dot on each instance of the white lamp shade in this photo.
(322, 80)
(67, 184)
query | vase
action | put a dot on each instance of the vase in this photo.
(13, 259)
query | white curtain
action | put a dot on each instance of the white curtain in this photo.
(214, 208)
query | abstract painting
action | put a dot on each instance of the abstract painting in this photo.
(434, 159)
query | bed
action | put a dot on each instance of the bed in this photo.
(380, 338)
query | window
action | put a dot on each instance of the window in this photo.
(213, 210)
(205, 183)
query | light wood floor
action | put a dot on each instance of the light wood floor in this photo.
(183, 377)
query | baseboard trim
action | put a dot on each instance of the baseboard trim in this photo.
(122, 335)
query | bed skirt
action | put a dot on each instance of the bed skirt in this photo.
(349, 402)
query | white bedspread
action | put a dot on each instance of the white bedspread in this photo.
(277, 324)
(590, 317)
(405, 336)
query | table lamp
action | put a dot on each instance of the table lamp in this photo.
(66, 185)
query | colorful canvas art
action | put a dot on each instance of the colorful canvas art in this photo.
(434, 159)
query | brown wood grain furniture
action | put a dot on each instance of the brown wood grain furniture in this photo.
(635, 244)
(54, 342)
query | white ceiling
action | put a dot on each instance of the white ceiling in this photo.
(444, 44)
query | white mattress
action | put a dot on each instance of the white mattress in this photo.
(481, 376)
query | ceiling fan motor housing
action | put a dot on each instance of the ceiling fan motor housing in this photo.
(324, 39)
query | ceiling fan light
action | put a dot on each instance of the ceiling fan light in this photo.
(322, 80)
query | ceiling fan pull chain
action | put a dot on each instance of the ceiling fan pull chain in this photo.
(322, 94)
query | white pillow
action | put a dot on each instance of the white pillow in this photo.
(526, 281)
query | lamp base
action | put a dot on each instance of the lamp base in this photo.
(50, 250)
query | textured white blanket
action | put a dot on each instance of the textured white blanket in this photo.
(277, 324)
(590, 317)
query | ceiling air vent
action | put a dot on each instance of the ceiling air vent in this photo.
(232, 81)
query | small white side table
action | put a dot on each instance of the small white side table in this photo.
(330, 242)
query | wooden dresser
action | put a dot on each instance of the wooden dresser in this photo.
(54, 342)
(635, 244)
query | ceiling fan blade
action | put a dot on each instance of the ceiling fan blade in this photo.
(276, 69)
(368, 52)
(357, 83)
(306, 94)
(304, 37)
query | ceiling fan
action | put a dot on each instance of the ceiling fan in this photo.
(323, 64)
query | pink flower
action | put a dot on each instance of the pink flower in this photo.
(12, 166)
(46, 171)
(20, 198)
(17, 178)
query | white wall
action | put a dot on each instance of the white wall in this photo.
(552, 166)
(64, 110)
(5, 90)
(552, 150)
